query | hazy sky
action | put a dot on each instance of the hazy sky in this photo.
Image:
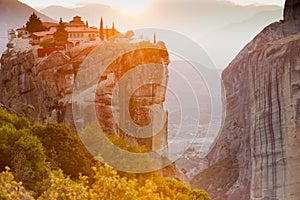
(129, 5)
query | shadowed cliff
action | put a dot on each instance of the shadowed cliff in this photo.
(261, 126)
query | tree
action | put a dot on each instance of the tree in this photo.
(24, 149)
(48, 43)
(107, 33)
(101, 32)
(61, 35)
(34, 24)
(21, 151)
(64, 149)
(113, 29)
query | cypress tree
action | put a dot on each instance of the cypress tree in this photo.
(101, 31)
(107, 34)
(61, 35)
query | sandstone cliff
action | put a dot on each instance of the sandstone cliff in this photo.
(257, 151)
(41, 88)
(130, 82)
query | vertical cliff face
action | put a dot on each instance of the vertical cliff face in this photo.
(42, 88)
(261, 127)
(131, 92)
(39, 88)
(292, 10)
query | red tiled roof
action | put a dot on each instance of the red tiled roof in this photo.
(80, 29)
(50, 24)
(43, 33)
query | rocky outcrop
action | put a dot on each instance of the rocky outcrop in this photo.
(261, 126)
(140, 77)
(292, 10)
(42, 88)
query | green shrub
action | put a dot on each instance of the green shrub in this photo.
(21, 151)
(64, 149)
(25, 149)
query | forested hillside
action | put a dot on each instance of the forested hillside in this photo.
(49, 162)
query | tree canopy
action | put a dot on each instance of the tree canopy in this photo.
(34, 24)
(61, 35)
(64, 149)
(49, 162)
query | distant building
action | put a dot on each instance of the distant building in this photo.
(110, 32)
(11, 34)
(82, 34)
(78, 32)
(22, 31)
(107, 32)
(38, 37)
(76, 22)
(51, 26)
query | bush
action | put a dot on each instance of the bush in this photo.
(21, 151)
(109, 184)
(64, 149)
(25, 149)
(11, 189)
(65, 188)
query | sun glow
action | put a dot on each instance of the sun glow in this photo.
(129, 6)
(132, 7)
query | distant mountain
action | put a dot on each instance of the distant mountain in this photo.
(205, 21)
(14, 14)
(200, 17)
(90, 12)
(224, 43)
